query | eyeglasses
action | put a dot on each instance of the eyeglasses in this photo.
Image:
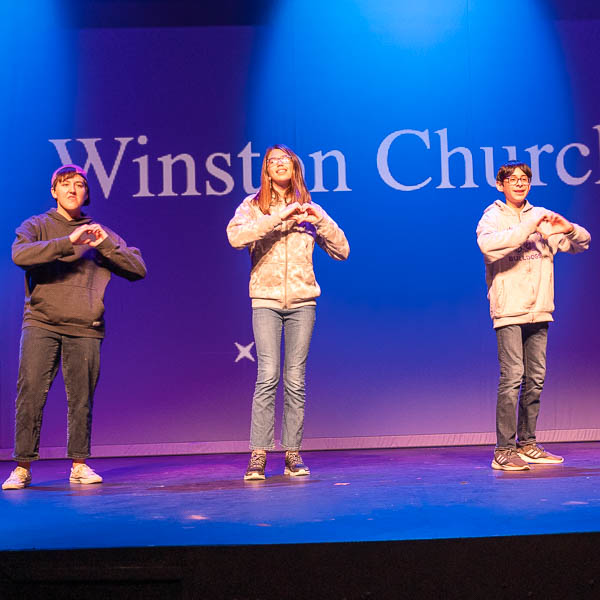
(284, 160)
(512, 180)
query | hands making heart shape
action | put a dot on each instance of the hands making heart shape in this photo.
(552, 223)
(90, 234)
(301, 213)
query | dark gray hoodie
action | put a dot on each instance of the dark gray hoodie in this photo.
(65, 283)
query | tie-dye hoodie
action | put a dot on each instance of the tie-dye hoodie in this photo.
(282, 274)
(519, 262)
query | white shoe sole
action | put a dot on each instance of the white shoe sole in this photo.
(300, 473)
(15, 486)
(254, 477)
(84, 481)
(499, 467)
(541, 461)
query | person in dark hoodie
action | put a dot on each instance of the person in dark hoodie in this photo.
(68, 260)
(519, 242)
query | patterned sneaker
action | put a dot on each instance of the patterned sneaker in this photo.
(256, 466)
(18, 479)
(81, 473)
(508, 460)
(534, 453)
(294, 465)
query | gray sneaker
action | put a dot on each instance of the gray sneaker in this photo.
(507, 459)
(18, 479)
(256, 466)
(294, 464)
(534, 453)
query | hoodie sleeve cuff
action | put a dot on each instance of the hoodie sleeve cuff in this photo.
(65, 246)
(106, 246)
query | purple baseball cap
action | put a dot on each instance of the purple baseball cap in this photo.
(71, 169)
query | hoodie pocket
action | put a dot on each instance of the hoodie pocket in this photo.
(67, 304)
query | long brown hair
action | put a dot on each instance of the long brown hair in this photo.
(296, 191)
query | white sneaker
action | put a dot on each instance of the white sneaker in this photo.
(81, 473)
(19, 478)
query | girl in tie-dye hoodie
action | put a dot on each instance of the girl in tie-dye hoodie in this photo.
(280, 225)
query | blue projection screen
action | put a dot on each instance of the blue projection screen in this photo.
(401, 116)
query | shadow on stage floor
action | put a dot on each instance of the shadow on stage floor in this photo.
(402, 523)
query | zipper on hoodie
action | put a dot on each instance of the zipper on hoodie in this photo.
(286, 268)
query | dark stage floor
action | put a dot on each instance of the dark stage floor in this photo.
(351, 496)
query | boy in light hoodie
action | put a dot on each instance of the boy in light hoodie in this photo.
(518, 242)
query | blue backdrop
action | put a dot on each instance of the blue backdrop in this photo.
(401, 112)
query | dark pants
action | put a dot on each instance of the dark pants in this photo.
(522, 356)
(41, 352)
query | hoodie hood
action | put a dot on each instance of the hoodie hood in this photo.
(507, 210)
(82, 220)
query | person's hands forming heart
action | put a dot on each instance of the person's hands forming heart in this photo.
(309, 214)
(552, 224)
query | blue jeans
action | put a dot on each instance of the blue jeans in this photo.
(41, 351)
(298, 324)
(522, 356)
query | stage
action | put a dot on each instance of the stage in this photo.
(363, 523)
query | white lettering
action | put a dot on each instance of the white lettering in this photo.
(490, 172)
(318, 158)
(220, 174)
(190, 169)
(512, 152)
(220, 179)
(247, 155)
(93, 159)
(144, 190)
(562, 170)
(534, 153)
(445, 155)
(382, 159)
(63, 153)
